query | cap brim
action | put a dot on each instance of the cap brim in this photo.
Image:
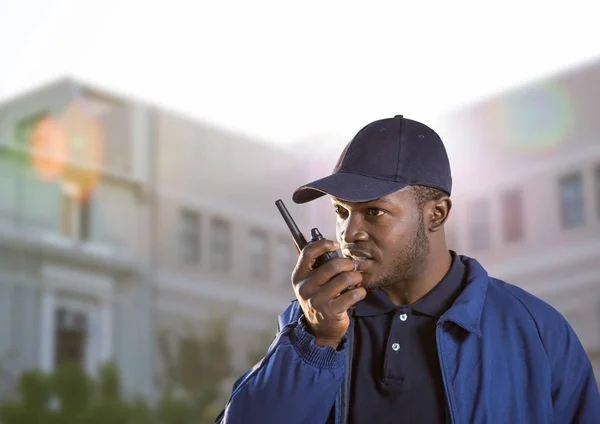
(348, 187)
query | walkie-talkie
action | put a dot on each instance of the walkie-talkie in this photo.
(301, 241)
(316, 235)
(299, 237)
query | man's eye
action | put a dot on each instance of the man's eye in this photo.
(375, 212)
(338, 209)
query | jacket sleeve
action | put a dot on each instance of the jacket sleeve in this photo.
(296, 382)
(575, 395)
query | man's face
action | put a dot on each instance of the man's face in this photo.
(387, 237)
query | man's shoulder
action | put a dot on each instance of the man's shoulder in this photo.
(524, 312)
(514, 296)
(516, 303)
(522, 304)
(507, 296)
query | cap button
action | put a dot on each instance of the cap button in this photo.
(398, 116)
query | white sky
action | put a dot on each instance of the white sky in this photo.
(282, 71)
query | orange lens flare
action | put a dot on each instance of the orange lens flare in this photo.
(69, 148)
(48, 150)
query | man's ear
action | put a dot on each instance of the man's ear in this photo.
(437, 211)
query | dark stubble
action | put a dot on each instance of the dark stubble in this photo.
(410, 262)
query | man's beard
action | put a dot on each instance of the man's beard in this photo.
(410, 262)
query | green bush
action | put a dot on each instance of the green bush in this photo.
(192, 375)
(32, 408)
(190, 387)
(68, 395)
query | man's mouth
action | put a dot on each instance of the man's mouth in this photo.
(356, 254)
(361, 264)
(361, 259)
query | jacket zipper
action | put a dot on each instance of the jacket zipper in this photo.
(344, 392)
(443, 369)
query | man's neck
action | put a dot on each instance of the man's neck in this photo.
(411, 290)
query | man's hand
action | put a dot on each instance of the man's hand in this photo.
(318, 292)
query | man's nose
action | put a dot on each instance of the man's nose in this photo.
(352, 229)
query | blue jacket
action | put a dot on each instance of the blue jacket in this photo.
(505, 355)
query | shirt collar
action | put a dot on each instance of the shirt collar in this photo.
(375, 303)
(433, 304)
(439, 299)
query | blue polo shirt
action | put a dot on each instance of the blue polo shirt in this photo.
(396, 373)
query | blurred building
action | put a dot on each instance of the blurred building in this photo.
(223, 247)
(526, 167)
(121, 223)
(71, 228)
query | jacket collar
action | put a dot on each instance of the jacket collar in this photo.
(467, 309)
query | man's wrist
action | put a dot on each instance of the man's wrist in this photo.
(321, 356)
(320, 341)
(327, 342)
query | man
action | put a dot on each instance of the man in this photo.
(426, 336)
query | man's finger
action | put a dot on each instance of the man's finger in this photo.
(324, 273)
(317, 248)
(345, 301)
(309, 255)
(324, 293)
(339, 283)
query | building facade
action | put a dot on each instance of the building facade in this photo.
(72, 229)
(121, 222)
(224, 250)
(526, 170)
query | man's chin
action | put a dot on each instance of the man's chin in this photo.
(371, 282)
(368, 282)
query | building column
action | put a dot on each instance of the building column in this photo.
(106, 332)
(47, 326)
(99, 347)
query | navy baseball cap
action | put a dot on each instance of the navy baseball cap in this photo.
(385, 156)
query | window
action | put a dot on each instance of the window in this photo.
(597, 184)
(71, 334)
(189, 237)
(572, 205)
(259, 255)
(286, 259)
(512, 215)
(75, 214)
(221, 245)
(24, 128)
(479, 235)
